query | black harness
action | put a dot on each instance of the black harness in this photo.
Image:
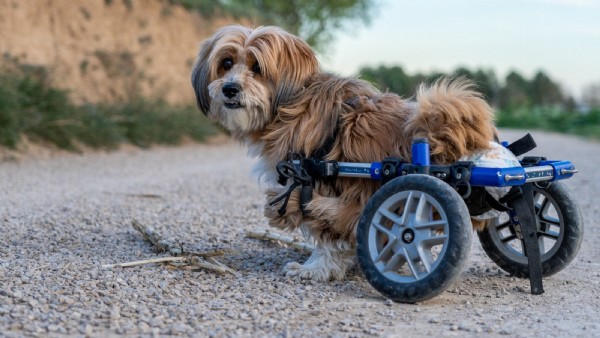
(300, 177)
(305, 172)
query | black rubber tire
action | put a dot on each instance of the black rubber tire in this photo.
(564, 249)
(449, 265)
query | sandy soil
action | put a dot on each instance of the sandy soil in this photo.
(107, 51)
(62, 217)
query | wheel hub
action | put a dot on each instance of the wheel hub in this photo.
(408, 236)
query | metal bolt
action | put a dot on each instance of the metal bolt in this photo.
(386, 172)
(408, 236)
(458, 176)
(518, 177)
(568, 171)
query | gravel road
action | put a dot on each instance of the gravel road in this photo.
(62, 217)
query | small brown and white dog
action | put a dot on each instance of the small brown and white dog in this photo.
(265, 86)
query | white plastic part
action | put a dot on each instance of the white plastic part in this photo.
(496, 157)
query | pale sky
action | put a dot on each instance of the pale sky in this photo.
(561, 37)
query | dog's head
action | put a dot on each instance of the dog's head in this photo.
(241, 75)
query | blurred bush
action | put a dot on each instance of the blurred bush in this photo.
(30, 106)
(314, 20)
(538, 102)
(553, 119)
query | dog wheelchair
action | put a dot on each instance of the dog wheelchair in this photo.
(414, 234)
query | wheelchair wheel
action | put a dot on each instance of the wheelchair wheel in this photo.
(413, 238)
(559, 235)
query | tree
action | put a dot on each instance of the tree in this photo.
(486, 81)
(313, 20)
(591, 95)
(545, 92)
(515, 92)
(392, 79)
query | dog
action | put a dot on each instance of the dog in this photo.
(265, 86)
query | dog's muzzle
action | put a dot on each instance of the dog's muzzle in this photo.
(231, 90)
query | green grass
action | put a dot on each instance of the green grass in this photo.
(553, 119)
(30, 106)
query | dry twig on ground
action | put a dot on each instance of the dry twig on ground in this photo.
(294, 242)
(179, 258)
(160, 244)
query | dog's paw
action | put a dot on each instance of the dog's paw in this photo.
(320, 274)
(320, 267)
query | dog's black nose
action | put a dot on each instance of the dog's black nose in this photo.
(231, 89)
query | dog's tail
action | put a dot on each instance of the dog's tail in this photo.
(454, 117)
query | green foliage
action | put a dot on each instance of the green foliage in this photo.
(46, 112)
(396, 80)
(591, 95)
(145, 122)
(98, 127)
(544, 91)
(313, 20)
(553, 119)
(486, 82)
(537, 103)
(9, 121)
(207, 8)
(390, 78)
(30, 106)
(515, 93)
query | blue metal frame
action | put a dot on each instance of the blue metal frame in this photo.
(480, 176)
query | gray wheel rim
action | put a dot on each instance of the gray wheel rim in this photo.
(408, 236)
(508, 239)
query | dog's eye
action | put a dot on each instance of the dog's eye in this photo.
(227, 64)
(256, 68)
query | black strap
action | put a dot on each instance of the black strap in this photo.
(522, 145)
(287, 169)
(320, 169)
(493, 203)
(524, 206)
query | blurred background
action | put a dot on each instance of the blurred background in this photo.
(101, 73)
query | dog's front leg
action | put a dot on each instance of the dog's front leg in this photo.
(331, 257)
(292, 218)
(330, 260)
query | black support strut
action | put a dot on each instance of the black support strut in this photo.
(524, 206)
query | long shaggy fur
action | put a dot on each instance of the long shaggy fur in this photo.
(289, 105)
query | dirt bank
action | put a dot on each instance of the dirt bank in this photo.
(104, 51)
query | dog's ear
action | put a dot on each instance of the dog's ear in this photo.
(300, 62)
(287, 59)
(201, 76)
